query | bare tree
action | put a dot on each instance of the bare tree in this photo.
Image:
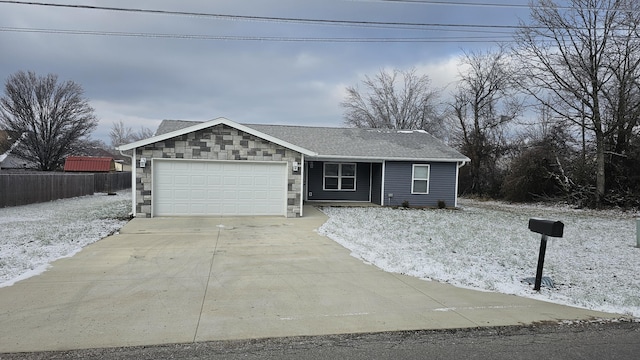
(483, 105)
(121, 134)
(142, 133)
(394, 100)
(544, 162)
(51, 117)
(622, 100)
(585, 55)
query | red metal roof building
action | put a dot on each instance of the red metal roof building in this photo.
(89, 164)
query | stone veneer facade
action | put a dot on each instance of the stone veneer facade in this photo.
(218, 142)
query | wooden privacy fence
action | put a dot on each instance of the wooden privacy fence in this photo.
(109, 182)
(29, 188)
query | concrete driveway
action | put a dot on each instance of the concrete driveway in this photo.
(179, 280)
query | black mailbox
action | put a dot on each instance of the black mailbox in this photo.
(546, 227)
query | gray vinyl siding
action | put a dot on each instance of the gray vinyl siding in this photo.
(442, 184)
(316, 192)
(376, 183)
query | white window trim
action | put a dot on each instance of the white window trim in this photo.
(427, 179)
(324, 176)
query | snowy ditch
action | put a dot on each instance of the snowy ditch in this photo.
(485, 246)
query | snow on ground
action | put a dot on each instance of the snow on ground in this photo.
(32, 236)
(484, 246)
(487, 246)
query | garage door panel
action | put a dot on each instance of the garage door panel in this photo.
(248, 196)
(181, 195)
(198, 194)
(261, 195)
(178, 208)
(248, 208)
(185, 187)
(163, 193)
(229, 166)
(198, 167)
(261, 179)
(214, 180)
(181, 179)
(246, 181)
(214, 195)
(199, 180)
(198, 209)
(179, 166)
(229, 195)
(230, 180)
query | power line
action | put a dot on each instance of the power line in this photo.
(263, 18)
(465, 28)
(457, 3)
(496, 5)
(469, 39)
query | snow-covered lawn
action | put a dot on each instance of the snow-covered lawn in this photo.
(32, 236)
(487, 246)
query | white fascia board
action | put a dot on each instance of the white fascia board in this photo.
(382, 159)
(212, 123)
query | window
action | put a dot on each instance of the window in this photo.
(420, 179)
(340, 176)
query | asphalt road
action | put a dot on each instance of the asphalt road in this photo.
(544, 341)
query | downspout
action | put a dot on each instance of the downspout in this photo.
(133, 180)
(458, 167)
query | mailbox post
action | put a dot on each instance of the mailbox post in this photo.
(638, 232)
(546, 228)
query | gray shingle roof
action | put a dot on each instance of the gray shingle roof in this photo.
(167, 126)
(331, 142)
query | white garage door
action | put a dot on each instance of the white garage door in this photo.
(196, 188)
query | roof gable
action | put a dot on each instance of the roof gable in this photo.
(190, 127)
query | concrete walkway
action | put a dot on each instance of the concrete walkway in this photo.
(169, 280)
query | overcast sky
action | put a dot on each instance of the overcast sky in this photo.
(144, 66)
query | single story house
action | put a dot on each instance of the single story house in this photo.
(221, 167)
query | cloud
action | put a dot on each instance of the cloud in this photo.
(443, 73)
(142, 80)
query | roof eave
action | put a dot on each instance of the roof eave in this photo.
(374, 158)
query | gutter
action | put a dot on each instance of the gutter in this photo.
(381, 159)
